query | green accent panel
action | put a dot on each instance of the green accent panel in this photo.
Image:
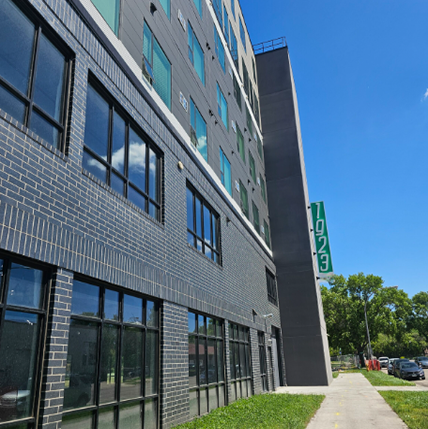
(110, 10)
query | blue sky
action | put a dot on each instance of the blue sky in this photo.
(361, 73)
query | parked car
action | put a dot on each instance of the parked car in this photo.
(391, 366)
(411, 371)
(422, 361)
(396, 366)
(384, 361)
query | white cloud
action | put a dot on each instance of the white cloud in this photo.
(426, 94)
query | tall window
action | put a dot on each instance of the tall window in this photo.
(198, 4)
(254, 71)
(263, 188)
(271, 287)
(219, 49)
(112, 361)
(240, 143)
(196, 55)
(232, 5)
(226, 25)
(226, 176)
(256, 218)
(34, 75)
(252, 167)
(259, 146)
(234, 48)
(267, 233)
(245, 78)
(262, 359)
(256, 109)
(249, 121)
(110, 10)
(244, 200)
(222, 107)
(206, 364)
(203, 226)
(198, 130)
(117, 153)
(242, 34)
(156, 67)
(237, 92)
(166, 5)
(23, 298)
(240, 362)
(218, 8)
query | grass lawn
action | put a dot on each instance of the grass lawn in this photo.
(270, 411)
(379, 378)
(412, 407)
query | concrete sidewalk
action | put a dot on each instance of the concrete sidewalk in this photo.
(351, 403)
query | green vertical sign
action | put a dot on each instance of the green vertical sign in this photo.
(325, 265)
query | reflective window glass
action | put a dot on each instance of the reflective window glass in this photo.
(151, 364)
(131, 371)
(110, 10)
(86, 298)
(132, 309)
(111, 305)
(108, 370)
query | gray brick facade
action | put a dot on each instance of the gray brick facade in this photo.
(54, 212)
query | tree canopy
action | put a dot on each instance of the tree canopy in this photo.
(398, 325)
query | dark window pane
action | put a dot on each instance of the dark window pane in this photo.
(230, 331)
(49, 83)
(193, 404)
(220, 365)
(117, 183)
(12, 105)
(16, 45)
(45, 129)
(130, 416)
(86, 298)
(214, 223)
(236, 358)
(202, 364)
(137, 160)
(106, 418)
(192, 361)
(94, 167)
(243, 362)
(201, 325)
(18, 356)
(152, 314)
(213, 398)
(111, 305)
(97, 123)
(191, 239)
(131, 363)
(212, 369)
(190, 210)
(80, 377)
(153, 211)
(211, 326)
(108, 364)
(198, 215)
(138, 199)
(132, 309)
(151, 370)
(232, 360)
(25, 286)
(207, 225)
(247, 359)
(80, 420)
(118, 143)
(192, 323)
(153, 176)
(150, 414)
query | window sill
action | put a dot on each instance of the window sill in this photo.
(32, 135)
(122, 198)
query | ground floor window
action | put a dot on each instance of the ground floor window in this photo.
(262, 358)
(240, 358)
(22, 322)
(206, 364)
(112, 376)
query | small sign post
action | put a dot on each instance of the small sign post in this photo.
(325, 265)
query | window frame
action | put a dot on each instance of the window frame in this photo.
(263, 188)
(213, 228)
(219, 49)
(41, 27)
(194, 130)
(256, 217)
(218, 10)
(237, 92)
(221, 97)
(222, 171)
(43, 312)
(191, 53)
(218, 336)
(252, 164)
(240, 142)
(271, 287)
(234, 51)
(262, 360)
(114, 106)
(245, 207)
(244, 341)
(267, 234)
(95, 409)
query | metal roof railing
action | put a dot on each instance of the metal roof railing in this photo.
(270, 45)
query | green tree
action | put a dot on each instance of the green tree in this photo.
(419, 317)
(387, 311)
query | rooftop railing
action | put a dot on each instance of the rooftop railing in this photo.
(270, 45)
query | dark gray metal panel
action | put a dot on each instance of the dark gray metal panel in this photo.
(300, 307)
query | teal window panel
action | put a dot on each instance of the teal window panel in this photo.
(166, 5)
(225, 171)
(198, 132)
(110, 10)
(219, 49)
